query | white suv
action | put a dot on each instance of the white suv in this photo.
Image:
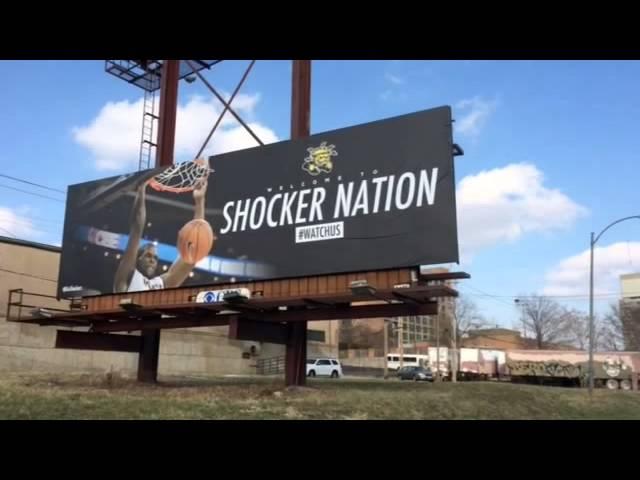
(328, 367)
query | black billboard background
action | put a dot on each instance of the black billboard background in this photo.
(398, 238)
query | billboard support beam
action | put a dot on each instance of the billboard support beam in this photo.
(296, 349)
(168, 112)
(107, 342)
(295, 371)
(301, 99)
(249, 330)
(149, 354)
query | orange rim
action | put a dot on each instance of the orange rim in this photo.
(153, 183)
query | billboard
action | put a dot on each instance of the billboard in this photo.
(374, 196)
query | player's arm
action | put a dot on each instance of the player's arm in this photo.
(180, 269)
(128, 262)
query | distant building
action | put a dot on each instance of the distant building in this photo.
(630, 286)
(494, 338)
(418, 332)
(505, 339)
(630, 311)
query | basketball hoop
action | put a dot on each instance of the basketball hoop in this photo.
(181, 177)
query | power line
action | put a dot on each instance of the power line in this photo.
(25, 218)
(5, 230)
(27, 275)
(33, 183)
(26, 223)
(494, 297)
(581, 295)
(32, 193)
(48, 220)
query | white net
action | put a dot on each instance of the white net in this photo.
(181, 177)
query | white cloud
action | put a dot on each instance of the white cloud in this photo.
(394, 79)
(474, 115)
(393, 92)
(503, 204)
(386, 95)
(571, 275)
(390, 95)
(113, 137)
(14, 224)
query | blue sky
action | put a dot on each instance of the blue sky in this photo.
(551, 152)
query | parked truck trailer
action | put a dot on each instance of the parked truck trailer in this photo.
(612, 370)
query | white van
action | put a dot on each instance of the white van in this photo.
(408, 360)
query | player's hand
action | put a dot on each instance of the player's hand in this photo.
(200, 191)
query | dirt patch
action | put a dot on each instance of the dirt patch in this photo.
(294, 390)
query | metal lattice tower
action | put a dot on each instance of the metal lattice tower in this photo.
(146, 74)
(147, 142)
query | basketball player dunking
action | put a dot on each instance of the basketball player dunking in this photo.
(137, 269)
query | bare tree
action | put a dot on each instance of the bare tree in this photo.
(546, 319)
(578, 331)
(577, 325)
(466, 316)
(621, 327)
(612, 336)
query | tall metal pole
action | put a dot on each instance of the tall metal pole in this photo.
(296, 348)
(401, 340)
(438, 341)
(386, 348)
(167, 112)
(594, 240)
(591, 326)
(454, 357)
(148, 357)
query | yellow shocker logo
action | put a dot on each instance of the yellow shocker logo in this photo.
(319, 159)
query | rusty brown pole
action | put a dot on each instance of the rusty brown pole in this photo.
(150, 352)
(168, 112)
(296, 349)
(301, 99)
(149, 356)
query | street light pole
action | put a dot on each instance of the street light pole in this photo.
(591, 320)
(386, 347)
(401, 340)
(454, 357)
(438, 343)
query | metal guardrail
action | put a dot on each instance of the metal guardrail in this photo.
(270, 366)
(16, 301)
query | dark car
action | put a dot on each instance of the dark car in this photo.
(415, 373)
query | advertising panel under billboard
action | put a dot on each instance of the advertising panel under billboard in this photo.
(369, 197)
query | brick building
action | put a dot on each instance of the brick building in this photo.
(630, 311)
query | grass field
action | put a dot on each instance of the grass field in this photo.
(91, 397)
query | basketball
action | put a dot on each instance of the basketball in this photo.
(195, 240)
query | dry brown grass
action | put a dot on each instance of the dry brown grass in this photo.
(112, 397)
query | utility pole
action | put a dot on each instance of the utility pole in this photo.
(386, 347)
(520, 304)
(591, 329)
(401, 339)
(593, 241)
(454, 357)
(438, 341)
